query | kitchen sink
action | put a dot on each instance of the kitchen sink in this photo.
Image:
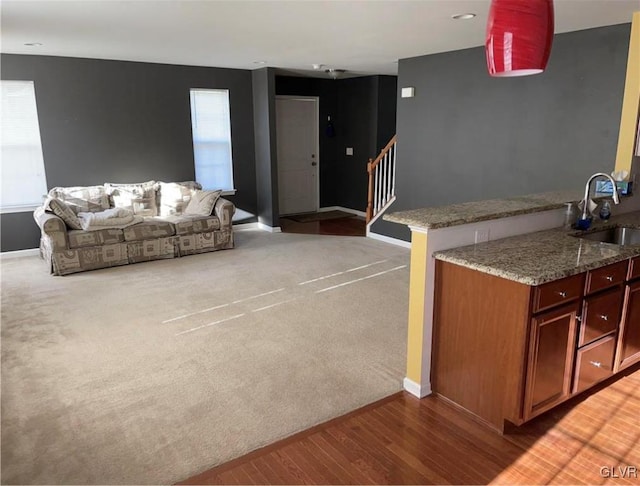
(622, 236)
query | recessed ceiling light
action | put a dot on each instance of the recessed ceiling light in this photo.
(33, 44)
(463, 16)
(259, 62)
(335, 73)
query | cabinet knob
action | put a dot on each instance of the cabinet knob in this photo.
(597, 364)
(562, 293)
(579, 318)
(609, 278)
(604, 317)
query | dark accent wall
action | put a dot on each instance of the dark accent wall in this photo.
(18, 231)
(266, 165)
(115, 121)
(466, 136)
(362, 111)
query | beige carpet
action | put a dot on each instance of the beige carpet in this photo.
(111, 377)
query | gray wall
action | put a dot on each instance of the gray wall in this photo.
(362, 111)
(264, 108)
(466, 136)
(114, 121)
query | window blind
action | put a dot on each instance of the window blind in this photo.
(211, 130)
(23, 177)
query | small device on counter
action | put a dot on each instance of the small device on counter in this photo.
(571, 214)
(605, 211)
(583, 224)
(605, 187)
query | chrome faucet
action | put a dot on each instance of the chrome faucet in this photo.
(587, 190)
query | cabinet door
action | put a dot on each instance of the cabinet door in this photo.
(629, 345)
(551, 355)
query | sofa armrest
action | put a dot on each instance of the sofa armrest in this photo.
(52, 227)
(224, 210)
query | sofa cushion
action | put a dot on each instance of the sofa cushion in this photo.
(63, 211)
(202, 203)
(188, 224)
(149, 229)
(88, 199)
(140, 198)
(156, 249)
(174, 196)
(80, 238)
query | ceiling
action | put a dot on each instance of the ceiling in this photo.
(361, 36)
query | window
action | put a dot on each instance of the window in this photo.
(23, 177)
(211, 129)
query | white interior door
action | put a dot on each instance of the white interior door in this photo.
(298, 161)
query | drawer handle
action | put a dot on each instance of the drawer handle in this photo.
(597, 364)
(562, 294)
(604, 317)
(609, 278)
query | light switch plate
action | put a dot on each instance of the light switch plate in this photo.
(349, 150)
(408, 92)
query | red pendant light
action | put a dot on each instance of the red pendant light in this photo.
(519, 36)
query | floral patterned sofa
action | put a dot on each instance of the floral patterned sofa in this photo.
(163, 220)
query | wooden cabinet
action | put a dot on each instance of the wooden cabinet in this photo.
(634, 269)
(629, 339)
(600, 315)
(557, 292)
(594, 363)
(551, 352)
(606, 277)
(507, 352)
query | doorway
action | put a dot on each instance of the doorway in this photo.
(297, 126)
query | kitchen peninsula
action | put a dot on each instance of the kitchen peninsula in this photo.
(509, 254)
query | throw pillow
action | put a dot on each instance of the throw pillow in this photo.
(82, 198)
(174, 196)
(64, 212)
(139, 198)
(202, 203)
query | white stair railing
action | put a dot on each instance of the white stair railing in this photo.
(382, 181)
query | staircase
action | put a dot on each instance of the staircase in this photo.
(382, 182)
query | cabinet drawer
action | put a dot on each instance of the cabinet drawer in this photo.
(594, 363)
(558, 292)
(634, 269)
(600, 315)
(606, 277)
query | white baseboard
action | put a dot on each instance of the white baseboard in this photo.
(388, 239)
(244, 226)
(416, 389)
(5, 255)
(270, 229)
(341, 208)
(260, 226)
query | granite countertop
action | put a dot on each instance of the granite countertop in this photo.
(471, 212)
(543, 256)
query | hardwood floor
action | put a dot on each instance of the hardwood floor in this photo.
(353, 226)
(403, 440)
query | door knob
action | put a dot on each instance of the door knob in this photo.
(314, 163)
